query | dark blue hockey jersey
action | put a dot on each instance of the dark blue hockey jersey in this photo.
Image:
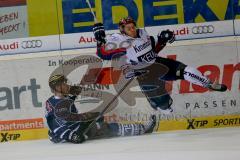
(63, 118)
(64, 121)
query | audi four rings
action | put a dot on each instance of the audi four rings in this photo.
(203, 29)
(31, 44)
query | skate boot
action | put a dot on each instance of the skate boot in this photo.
(165, 111)
(150, 126)
(217, 87)
(162, 103)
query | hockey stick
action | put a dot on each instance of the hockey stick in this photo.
(90, 7)
(107, 107)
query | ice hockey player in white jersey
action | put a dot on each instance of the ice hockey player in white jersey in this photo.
(141, 54)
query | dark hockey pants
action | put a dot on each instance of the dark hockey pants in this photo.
(153, 83)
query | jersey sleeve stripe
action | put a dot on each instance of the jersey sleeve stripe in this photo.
(109, 54)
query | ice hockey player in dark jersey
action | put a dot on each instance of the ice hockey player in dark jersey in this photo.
(67, 125)
(143, 54)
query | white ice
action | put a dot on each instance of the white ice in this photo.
(205, 144)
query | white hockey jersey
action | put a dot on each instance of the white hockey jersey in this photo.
(137, 49)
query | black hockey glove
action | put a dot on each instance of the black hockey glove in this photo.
(99, 33)
(75, 90)
(89, 116)
(53, 138)
(166, 36)
(77, 138)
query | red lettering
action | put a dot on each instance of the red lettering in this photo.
(4, 47)
(87, 40)
(14, 15)
(214, 75)
(184, 87)
(9, 17)
(9, 28)
(82, 40)
(103, 76)
(108, 76)
(183, 31)
(213, 72)
(9, 46)
(13, 46)
(228, 73)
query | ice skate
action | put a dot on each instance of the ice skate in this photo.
(215, 86)
(151, 125)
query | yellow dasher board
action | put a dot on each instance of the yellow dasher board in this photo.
(45, 17)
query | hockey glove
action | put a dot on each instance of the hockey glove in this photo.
(53, 138)
(166, 36)
(99, 33)
(77, 138)
(89, 116)
(75, 90)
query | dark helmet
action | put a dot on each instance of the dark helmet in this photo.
(54, 80)
(124, 21)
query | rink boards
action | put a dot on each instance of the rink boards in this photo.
(162, 126)
(24, 89)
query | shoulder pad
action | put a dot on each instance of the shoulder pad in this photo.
(142, 33)
(114, 37)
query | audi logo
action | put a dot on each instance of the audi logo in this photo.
(203, 29)
(31, 44)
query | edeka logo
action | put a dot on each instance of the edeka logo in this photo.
(8, 47)
(10, 97)
(5, 137)
(78, 18)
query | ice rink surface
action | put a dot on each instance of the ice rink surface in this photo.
(205, 144)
